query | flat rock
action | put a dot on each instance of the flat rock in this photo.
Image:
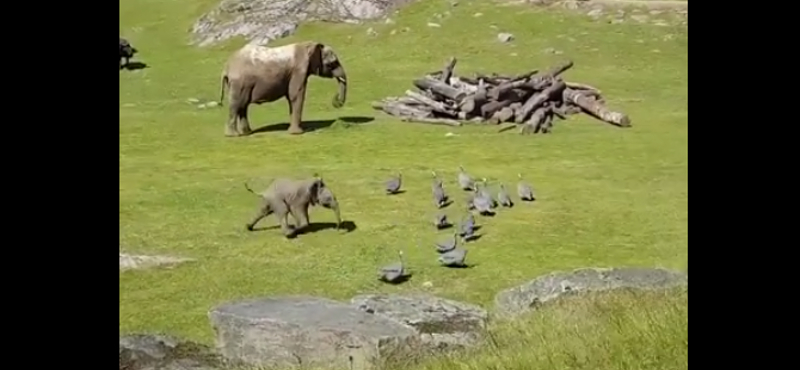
(130, 262)
(302, 331)
(152, 352)
(441, 323)
(518, 300)
(261, 21)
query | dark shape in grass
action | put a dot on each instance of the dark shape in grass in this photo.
(132, 66)
(473, 238)
(464, 266)
(445, 204)
(487, 213)
(396, 192)
(445, 226)
(307, 126)
(347, 226)
(402, 279)
(507, 128)
(356, 120)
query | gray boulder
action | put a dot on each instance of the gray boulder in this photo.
(308, 332)
(514, 301)
(159, 352)
(261, 21)
(441, 323)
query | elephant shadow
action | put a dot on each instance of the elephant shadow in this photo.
(309, 126)
(346, 226)
(132, 66)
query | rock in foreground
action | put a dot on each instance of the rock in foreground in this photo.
(300, 331)
(441, 323)
(518, 300)
(158, 352)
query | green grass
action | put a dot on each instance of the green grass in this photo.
(608, 197)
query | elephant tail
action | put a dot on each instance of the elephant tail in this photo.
(250, 190)
(223, 85)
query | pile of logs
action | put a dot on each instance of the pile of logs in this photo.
(531, 100)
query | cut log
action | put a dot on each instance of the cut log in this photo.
(503, 115)
(596, 108)
(433, 104)
(514, 83)
(488, 109)
(400, 110)
(533, 123)
(580, 86)
(447, 72)
(402, 100)
(473, 102)
(538, 99)
(440, 88)
(433, 121)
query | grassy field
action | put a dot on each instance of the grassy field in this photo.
(608, 197)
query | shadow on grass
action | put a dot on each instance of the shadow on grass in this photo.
(309, 126)
(347, 226)
(396, 193)
(400, 280)
(132, 66)
(473, 238)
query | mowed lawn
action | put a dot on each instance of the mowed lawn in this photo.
(607, 196)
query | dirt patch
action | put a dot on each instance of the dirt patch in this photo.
(261, 21)
(131, 262)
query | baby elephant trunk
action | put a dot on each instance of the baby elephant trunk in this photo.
(341, 78)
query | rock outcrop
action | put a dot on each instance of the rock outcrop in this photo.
(261, 21)
(518, 300)
(159, 352)
(440, 323)
(292, 332)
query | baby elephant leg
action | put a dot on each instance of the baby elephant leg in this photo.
(300, 214)
(263, 210)
(282, 213)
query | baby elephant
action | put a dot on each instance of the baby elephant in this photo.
(286, 196)
(126, 52)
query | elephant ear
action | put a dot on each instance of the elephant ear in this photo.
(314, 189)
(315, 58)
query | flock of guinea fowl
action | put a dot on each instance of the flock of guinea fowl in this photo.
(480, 200)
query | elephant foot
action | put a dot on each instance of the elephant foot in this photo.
(231, 133)
(295, 130)
(245, 131)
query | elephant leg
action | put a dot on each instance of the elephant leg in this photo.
(300, 213)
(297, 97)
(243, 124)
(230, 127)
(282, 213)
(262, 212)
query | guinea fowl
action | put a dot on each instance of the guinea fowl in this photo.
(524, 190)
(482, 204)
(447, 245)
(440, 221)
(483, 191)
(439, 196)
(467, 229)
(503, 198)
(465, 181)
(393, 184)
(453, 258)
(393, 273)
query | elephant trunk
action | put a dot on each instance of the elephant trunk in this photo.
(335, 208)
(341, 95)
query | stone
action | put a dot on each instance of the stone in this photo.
(309, 332)
(434, 25)
(212, 104)
(129, 262)
(595, 13)
(192, 100)
(476, 15)
(641, 18)
(159, 352)
(505, 37)
(441, 323)
(521, 299)
(201, 106)
(261, 21)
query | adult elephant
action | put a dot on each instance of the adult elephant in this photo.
(260, 74)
